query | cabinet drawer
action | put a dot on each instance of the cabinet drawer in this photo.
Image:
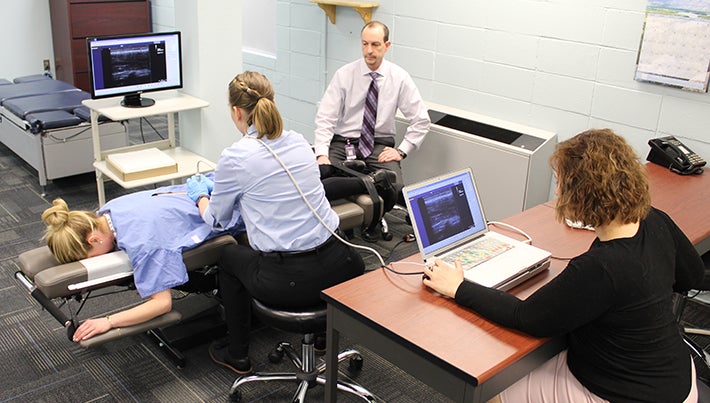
(79, 55)
(81, 80)
(104, 1)
(96, 19)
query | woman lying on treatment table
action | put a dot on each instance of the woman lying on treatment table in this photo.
(153, 227)
(613, 302)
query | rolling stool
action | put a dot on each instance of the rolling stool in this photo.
(308, 322)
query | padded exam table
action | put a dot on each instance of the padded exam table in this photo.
(63, 289)
(44, 122)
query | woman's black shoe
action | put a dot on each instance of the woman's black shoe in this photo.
(220, 355)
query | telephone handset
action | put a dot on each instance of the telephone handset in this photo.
(676, 156)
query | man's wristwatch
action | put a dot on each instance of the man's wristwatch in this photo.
(402, 153)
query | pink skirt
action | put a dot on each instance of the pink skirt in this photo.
(553, 382)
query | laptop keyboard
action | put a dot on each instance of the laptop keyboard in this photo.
(478, 252)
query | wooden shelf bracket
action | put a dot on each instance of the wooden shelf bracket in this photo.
(364, 8)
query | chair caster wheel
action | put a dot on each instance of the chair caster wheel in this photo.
(387, 236)
(369, 236)
(355, 364)
(236, 396)
(276, 355)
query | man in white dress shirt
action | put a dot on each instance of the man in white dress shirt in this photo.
(339, 119)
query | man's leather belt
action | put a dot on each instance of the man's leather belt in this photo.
(385, 141)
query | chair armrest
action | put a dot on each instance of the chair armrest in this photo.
(207, 253)
(365, 202)
(350, 213)
(164, 320)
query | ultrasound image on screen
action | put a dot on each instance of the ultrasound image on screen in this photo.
(445, 213)
(134, 65)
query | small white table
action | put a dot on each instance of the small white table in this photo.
(168, 103)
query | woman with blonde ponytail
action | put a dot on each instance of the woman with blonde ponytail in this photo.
(75, 235)
(156, 254)
(294, 253)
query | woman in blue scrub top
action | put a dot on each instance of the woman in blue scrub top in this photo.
(153, 227)
(272, 176)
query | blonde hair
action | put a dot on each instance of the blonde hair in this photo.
(252, 92)
(67, 231)
(600, 179)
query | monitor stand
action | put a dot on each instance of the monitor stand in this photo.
(136, 101)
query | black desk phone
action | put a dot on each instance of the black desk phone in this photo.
(676, 156)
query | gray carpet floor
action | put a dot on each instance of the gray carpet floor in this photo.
(39, 363)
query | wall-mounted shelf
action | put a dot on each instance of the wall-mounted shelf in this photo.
(364, 8)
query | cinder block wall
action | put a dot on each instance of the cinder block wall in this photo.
(560, 65)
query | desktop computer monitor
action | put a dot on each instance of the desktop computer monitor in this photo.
(129, 65)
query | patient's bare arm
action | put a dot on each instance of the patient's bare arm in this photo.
(158, 304)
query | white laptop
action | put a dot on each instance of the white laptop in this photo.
(449, 224)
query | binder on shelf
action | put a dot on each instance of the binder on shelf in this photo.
(141, 164)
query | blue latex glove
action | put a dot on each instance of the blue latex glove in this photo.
(210, 183)
(198, 185)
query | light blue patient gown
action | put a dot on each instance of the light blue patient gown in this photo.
(153, 227)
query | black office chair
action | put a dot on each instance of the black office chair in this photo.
(702, 358)
(308, 322)
(704, 286)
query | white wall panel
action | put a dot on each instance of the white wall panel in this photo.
(573, 59)
(461, 41)
(510, 48)
(622, 29)
(582, 55)
(414, 33)
(566, 93)
(507, 81)
(635, 108)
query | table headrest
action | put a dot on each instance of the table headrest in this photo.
(51, 120)
(32, 77)
(35, 260)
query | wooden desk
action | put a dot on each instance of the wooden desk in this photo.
(686, 199)
(459, 353)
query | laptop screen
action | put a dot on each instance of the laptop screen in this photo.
(445, 211)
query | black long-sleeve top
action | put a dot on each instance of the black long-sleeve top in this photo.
(614, 304)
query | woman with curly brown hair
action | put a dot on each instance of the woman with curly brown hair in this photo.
(613, 302)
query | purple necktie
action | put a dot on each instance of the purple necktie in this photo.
(367, 134)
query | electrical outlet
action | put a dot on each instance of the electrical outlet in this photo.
(47, 66)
